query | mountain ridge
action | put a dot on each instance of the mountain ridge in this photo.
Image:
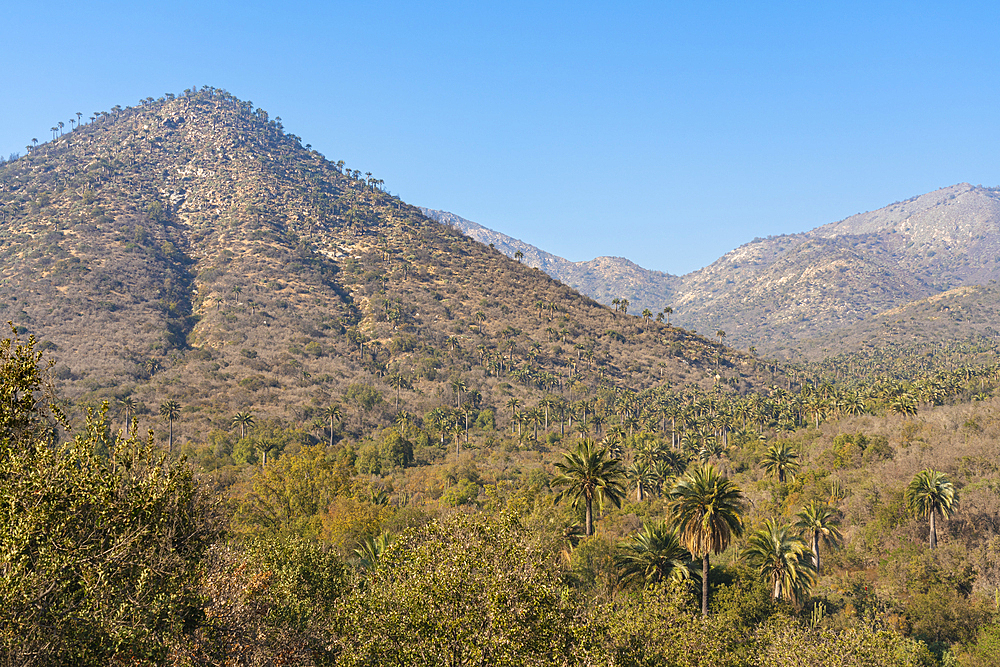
(808, 284)
(188, 248)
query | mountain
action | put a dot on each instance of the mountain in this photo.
(190, 249)
(774, 291)
(602, 278)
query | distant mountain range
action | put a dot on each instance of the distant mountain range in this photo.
(774, 291)
(603, 278)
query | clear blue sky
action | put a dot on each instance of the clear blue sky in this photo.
(665, 132)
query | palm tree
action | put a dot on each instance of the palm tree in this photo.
(518, 256)
(370, 551)
(929, 493)
(330, 413)
(590, 474)
(458, 386)
(128, 405)
(398, 381)
(706, 507)
(655, 554)
(781, 458)
(820, 521)
(783, 558)
(513, 403)
(170, 411)
(668, 311)
(244, 420)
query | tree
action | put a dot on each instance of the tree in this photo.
(655, 554)
(780, 459)
(100, 536)
(465, 590)
(244, 420)
(128, 406)
(513, 403)
(668, 311)
(458, 385)
(591, 475)
(170, 410)
(398, 381)
(783, 559)
(931, 493)
(330, 413)
(820, 521)
(706, 507)
(518, 256)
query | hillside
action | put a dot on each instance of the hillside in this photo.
(190, 249)
(773, 291)
(837, 274)
(604, 279)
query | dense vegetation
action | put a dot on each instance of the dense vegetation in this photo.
(420, 550)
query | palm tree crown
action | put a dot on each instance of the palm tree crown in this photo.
(930, 493)
(590, 474)
(780, 459)
(244, 420)
(706, 506)
(819, 520)
(170, 410)
(783, 558)
(655, 554)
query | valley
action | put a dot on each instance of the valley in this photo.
(258, 410)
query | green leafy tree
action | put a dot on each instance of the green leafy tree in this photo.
(100, 537)
(707, 508)
(590, 475)
(467, 590)
(929, 494)
(783, 559)
(289, 496)
(128, 406)
(330, 413)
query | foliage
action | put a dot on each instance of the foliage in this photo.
(460, 591)
(270, 602)
(289, 496)
(706, 507)
(782, 559)
(786, 644)
(658, 627)
(590, 475)
(100, 538)
(653, 555)
(931, 493)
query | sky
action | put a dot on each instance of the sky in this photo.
(665, 132)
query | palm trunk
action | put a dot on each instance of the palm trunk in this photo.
(589, 528)
(933, 531)
(816, 550)
(704, 586)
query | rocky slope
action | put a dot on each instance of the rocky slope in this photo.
(190, 249)
(773, 291)
(602, 278)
